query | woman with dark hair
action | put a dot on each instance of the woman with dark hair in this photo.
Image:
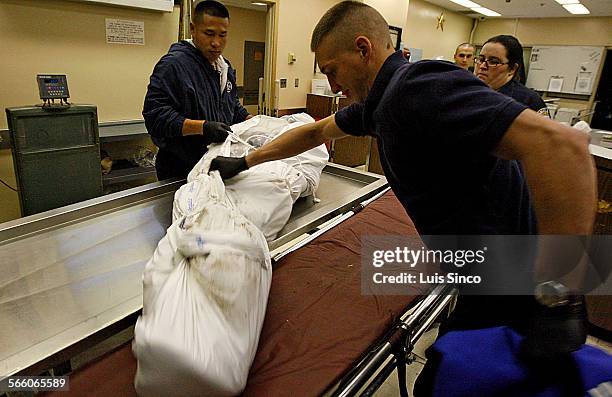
(500, 65)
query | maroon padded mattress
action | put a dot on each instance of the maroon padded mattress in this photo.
(317, 325)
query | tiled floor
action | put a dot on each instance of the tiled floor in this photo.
(607, 346)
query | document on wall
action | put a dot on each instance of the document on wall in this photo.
(121, 31)
(583, 83)
(555, 84)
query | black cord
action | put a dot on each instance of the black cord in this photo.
(7, 185)
(400, 358)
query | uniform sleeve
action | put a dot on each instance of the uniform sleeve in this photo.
(240, 112)
(454, 110)
(536, 102)
(163, 97)
(350, 119)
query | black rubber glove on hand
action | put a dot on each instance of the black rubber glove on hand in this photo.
(228, 167)
(555, 331)
(216, 132)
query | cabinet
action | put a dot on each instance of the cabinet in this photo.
(56, 155)
(122, 140)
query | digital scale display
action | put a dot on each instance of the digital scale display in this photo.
(52, 86)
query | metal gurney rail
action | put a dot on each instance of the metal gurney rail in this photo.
(401, 342)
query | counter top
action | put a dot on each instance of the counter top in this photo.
(600, 151)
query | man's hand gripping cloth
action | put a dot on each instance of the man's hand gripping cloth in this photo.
(302, 172)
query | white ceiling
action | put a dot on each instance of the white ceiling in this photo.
(529, 8)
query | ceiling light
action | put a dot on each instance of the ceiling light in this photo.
(577, 9)
(466, 3)
(568, 1)
(487, 12)
(258, 3)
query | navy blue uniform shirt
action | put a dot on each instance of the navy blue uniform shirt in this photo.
(436, 125)
(522, 94)
(185, 85)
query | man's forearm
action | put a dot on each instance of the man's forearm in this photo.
(561, 179)
(559, 171)
(296, 141)
(562, 185)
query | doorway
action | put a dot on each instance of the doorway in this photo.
(602, 118)
(250, 22)
(254, 57)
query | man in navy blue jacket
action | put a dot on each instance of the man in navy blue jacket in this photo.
(192, 95)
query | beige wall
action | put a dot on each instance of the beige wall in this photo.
(394, 11)
(595, 31)
(67, 37)
(421, 30)
(296, 20)
(9, 201)
(245, 25)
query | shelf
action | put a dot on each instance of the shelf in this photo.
(122, 130)
(128, 174)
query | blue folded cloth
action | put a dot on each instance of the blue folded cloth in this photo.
(486, 362)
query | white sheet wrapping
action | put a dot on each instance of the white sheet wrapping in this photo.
(205, 294)
(305, 172)
(206, 286)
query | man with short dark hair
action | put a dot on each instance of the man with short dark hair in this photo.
(441, 133)
(464, 56)
(192, 95)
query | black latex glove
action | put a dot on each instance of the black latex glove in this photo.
(228, 167)
(215, 131)
(555, 332)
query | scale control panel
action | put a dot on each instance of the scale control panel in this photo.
(52, 86)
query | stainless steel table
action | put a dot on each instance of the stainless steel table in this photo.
(72, 276)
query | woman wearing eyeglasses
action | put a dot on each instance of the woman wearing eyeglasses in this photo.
(500, 65)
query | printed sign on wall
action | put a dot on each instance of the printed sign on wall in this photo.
(121, 31)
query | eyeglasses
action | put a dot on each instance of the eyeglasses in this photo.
(491, 62)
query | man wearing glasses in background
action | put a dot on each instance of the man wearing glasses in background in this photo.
(464, 56)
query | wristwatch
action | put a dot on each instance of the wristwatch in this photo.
(552, 294)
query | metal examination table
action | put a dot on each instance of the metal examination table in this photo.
(71, 277)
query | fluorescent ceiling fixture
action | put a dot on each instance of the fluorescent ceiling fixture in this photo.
(468, 3)
(568, 1)
(487, 12)
(256, 3)
(577, 9)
